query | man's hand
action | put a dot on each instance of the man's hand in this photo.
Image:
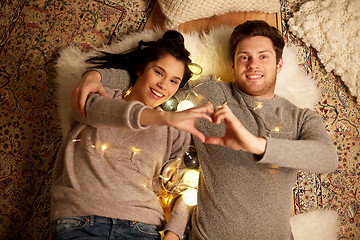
(236, 137)
(90, 82)
(183, 120)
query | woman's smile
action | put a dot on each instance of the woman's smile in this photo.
(156, 93)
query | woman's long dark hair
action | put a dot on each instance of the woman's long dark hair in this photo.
(136, 59)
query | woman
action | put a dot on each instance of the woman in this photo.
(107, 170)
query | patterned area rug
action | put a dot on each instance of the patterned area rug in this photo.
(340, 189)
(32, 32)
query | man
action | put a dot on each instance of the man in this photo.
(249, 164)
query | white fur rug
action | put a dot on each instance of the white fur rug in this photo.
(332, 27)
(315, 225)
(210, 52)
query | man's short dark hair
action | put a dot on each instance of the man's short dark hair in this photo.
(253, 29)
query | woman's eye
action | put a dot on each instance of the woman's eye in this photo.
(158, 73)
(174, 81)
(243, 58)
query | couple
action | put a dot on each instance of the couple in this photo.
(248, 165)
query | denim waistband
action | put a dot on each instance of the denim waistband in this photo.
(96, 219)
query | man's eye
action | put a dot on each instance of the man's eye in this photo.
(263, 57)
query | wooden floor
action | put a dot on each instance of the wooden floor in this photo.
(157, 19)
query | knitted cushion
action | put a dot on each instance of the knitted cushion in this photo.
(332, 27)
(179, 11)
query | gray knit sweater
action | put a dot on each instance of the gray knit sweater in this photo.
(240, 196)
(97, 173)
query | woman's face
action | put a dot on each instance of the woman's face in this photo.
(158, 81)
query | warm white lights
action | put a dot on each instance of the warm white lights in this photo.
(259, 105)
(191, 178)
(190, 196)
(184, 105)
(276, 129)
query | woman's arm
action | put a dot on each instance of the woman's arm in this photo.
(108, 112)
(91, 82)
(104, 112)
(183, 120)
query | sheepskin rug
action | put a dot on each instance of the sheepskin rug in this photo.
(210, 51)
(332, 27)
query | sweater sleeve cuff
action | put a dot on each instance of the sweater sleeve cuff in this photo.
(179, 218)
(135, 113)
(268, 153)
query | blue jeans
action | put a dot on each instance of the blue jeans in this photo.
(95, 227)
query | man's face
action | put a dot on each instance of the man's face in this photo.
(255, 68)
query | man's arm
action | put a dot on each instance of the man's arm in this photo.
(313, 151)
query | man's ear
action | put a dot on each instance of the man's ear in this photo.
(279, 65)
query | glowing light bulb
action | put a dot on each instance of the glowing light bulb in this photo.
(195, 69)
(276, 129)
(103, 148)
(134, 152)
(76, 140)
(191, 178)
(259, 105)
(127, 92)
(145, 184)
(184, 105)
(190, 196)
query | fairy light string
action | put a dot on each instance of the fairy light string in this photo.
(174, 178)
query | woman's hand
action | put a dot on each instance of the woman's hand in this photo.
(89, 82)
(236, 136)
(171, 236)
(183, 120)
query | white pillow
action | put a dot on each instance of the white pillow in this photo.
(179, 11)
(332, 27)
